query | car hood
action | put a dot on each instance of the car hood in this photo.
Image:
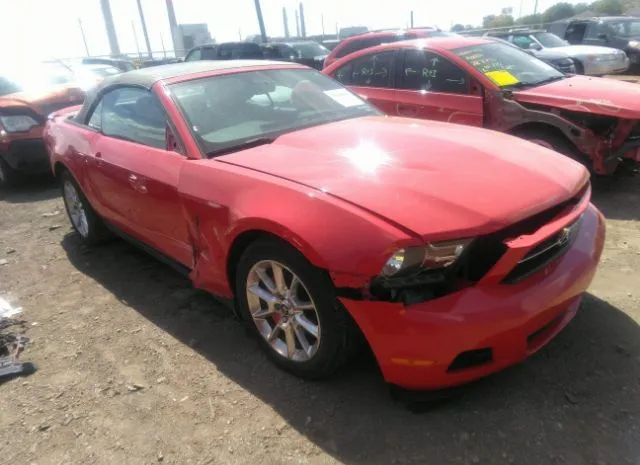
(588, 95)
(437, 180)
(40, 100)
(582, 50)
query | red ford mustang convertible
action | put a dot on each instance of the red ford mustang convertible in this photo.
(452, 251)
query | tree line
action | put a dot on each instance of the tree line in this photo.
(561, 10)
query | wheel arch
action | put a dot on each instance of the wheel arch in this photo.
(529, 128)
(246, 237)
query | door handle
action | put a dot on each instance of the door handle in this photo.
(98, 155)
(137, 184)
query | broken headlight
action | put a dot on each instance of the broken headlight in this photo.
(17, 123)
(432, 256)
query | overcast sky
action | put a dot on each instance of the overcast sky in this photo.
(50, 28)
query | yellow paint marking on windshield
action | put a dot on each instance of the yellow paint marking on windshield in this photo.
(502, 78)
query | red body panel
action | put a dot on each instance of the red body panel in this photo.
(588, 96)
(347, 195)
(414, 345)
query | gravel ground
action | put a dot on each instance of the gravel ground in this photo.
(135, 367)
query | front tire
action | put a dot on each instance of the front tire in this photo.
(8, 176)
(85, 221)
(291, 307)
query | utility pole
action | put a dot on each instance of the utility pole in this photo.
(322, 21)
(263, 32)
(144, 28)
(84, 39)
(535, 8)
(135, 36)
(297, 24)
(285, 21)
(111, 30)
(173, 25)
(303, 28)
(411, 19)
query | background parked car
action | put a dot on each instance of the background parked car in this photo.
(27, 97)
(121, 63)
(226, 51)
(308, 52)
(590, 60)
(556, 58)
(621, 32)
(479, 82)
(330, 44)
(345, 32)
(371, 39)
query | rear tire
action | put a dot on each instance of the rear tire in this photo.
(85, 221)
(338, 338)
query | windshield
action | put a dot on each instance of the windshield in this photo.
(508, 66)
(550, 40)
(625, 28)
(309, 50)
(231, 110)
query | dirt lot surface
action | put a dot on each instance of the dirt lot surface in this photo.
(135, 367)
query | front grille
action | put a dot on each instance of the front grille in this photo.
(544, 253)
(485, 251)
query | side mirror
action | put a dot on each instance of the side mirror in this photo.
(534, 47)
(603, 36)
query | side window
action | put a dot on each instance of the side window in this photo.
(575, 33)
(225, 52)
(195, 55)
(343, 74)
(522, 41)
(286, 52)
(95, 122)
(135, 115)
(208, 53)
(431, 72)
(373, 70)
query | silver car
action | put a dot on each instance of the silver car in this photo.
(591, 60)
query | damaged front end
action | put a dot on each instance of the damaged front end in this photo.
(603, 137)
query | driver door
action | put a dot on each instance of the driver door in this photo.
(432, 87)
(136, 174)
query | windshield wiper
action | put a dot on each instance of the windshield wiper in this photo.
(247, 144)
(521, 85)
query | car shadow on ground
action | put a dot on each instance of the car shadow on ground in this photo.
(618, 198)
(31, 189)
(577, 401)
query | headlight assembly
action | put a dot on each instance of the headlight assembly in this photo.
(18, 123)
(432, 256)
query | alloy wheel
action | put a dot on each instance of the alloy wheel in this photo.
(283, 310)
(76, 210)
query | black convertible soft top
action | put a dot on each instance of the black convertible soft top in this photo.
(147, 77)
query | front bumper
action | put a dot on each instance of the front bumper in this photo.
(28, 156)
(596, 68)
(417, 346)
